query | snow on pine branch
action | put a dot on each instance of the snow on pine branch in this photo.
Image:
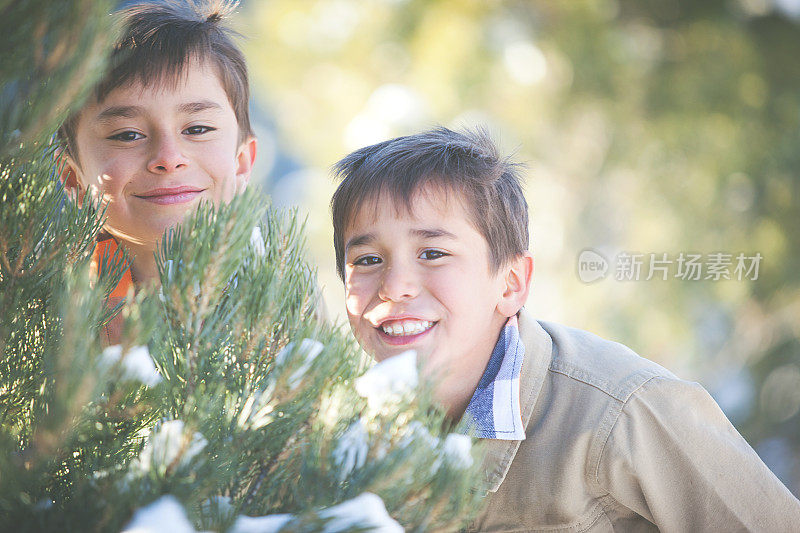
(308, 350)
(169, 445)
(352, 449)
(166, 514)
(390, 380)
(367, 512)
(257, 242)
(136, 363)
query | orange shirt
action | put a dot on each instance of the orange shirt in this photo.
(112, 331)
(109, 246)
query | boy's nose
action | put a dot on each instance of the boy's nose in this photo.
(398, 284)
(167, 157)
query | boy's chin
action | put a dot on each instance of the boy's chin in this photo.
(387, 352)
(151, 234)
(141, 240)
(429, 368)
(381, 357)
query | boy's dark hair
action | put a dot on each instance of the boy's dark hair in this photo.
(465, 163)
(159, 39)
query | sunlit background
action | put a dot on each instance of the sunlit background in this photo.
(647, 127)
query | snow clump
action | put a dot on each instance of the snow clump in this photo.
(136, 363)
(352, 449)
(309, 349)
(260, 524)
(366, 511)
(389, 380)
(457, 449)
(257, 242)
(170, 443)
(164, 514)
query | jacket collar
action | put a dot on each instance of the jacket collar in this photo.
(538, 353)
(494, 410)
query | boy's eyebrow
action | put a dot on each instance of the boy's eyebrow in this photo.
(433, 233)
(197, 107)
(119, 111)
(131, 111)
(358, 240)
(425, 233)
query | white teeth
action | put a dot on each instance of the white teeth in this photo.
(407, 327)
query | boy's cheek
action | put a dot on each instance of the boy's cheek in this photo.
(354, 304)
(229, 186)
(363, 343)
(357, 327)
(227, 193)
(361, 331)
(429, 369)
(105, 181)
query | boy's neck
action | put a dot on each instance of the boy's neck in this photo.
(143, 264)
(455, 395)
(458, 402)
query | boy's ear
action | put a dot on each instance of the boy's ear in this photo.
(245, 158)
(68, 176)
(518, 275)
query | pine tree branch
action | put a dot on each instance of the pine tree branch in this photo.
(268, 468)
(4, 254)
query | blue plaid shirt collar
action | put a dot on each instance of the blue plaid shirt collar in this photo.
(494, 410)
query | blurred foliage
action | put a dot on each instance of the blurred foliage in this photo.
(651, 126)
(225, 394)
(57, 48)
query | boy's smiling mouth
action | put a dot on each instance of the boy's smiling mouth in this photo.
(170, 195)
(404, 331)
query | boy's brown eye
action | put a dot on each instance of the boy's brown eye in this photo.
(432, 254)
(198, 130)
(127, 136)
(367, 260)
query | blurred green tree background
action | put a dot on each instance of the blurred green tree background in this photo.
(647, 126)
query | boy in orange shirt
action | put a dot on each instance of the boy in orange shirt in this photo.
(166, 128)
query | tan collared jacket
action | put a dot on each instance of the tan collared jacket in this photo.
(617, 443)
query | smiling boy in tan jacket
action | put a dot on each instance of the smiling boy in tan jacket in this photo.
(582, 434)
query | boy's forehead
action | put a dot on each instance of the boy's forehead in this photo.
(137, 88)
(446, 201)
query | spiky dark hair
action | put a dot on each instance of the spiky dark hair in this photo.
(465, 165)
